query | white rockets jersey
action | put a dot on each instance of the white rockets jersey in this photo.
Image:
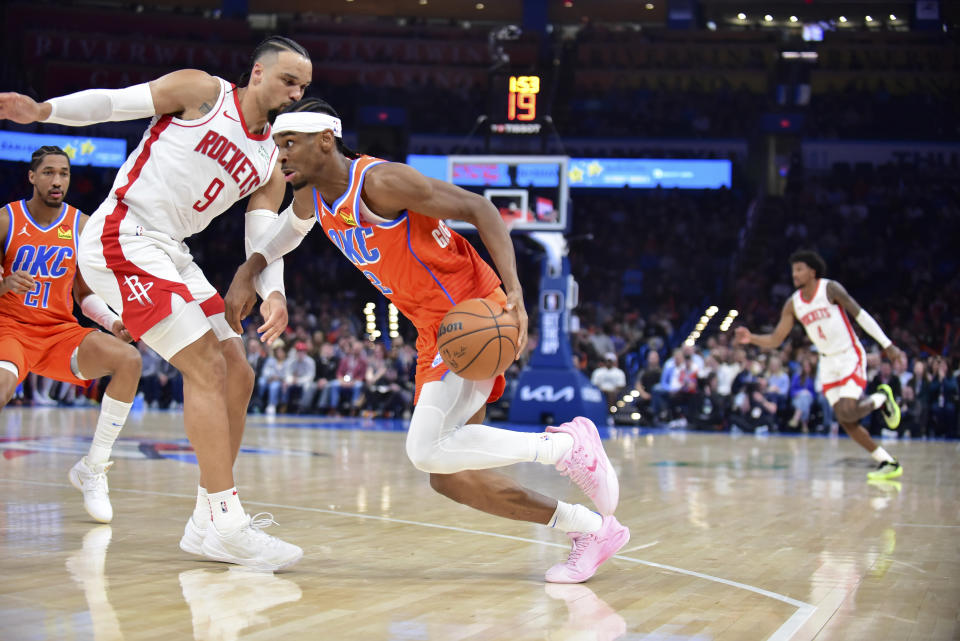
(826, 323)
(185, 173)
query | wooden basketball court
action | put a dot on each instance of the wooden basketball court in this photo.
(732, 538)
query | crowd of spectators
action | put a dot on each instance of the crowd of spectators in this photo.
(631, 319)
(720, 385)
(887, 236)
(646, 260)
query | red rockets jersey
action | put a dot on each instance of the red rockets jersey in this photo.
(49, 254)
(416, 261)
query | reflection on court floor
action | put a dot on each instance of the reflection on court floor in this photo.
(732, 538)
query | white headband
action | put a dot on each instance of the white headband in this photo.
(307, 122)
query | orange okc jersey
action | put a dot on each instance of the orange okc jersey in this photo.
(49, 255)
(416, 261)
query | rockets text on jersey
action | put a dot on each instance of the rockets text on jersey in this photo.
(826, 323)
(185, 173)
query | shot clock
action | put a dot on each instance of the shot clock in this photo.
(522, 98)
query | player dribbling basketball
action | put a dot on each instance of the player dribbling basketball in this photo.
(387, 219)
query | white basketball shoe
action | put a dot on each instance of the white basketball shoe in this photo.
(250, 546)
(92, 481)
(192, 539)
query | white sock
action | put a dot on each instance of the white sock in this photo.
(575, 518)
(201, 512)
(878, 400)
(228, 514)
(880, 455)
(113, 414)
(551, 446)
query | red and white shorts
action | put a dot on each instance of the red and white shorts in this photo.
(844, 374)
(152, 281)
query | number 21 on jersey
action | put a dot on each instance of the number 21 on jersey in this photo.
(39, 295)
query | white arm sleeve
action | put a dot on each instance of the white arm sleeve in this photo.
(101, 105)
(257, 224)
(94, 308)
(871, 327)
(287, 236)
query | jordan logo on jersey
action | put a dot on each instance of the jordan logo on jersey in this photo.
(231, 158)
(138, 290)
(24, 231)
(815, 315)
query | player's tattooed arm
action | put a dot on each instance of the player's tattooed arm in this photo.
(773, 340)
(837, 294)
(185, 92)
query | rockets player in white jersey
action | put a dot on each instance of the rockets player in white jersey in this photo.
(208, 145)
(822, 307)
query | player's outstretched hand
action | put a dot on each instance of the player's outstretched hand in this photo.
(240, 299)
(515, 305)
(121, 332)
(274, 312)
(20, 108)
(19, 282)
(893, 353)
(742, 335)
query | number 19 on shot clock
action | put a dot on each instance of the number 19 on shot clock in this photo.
(522, 98)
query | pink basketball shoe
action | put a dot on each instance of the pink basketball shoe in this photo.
(589, 552)
(587, 464)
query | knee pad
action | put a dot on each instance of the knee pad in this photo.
(422, 437)
(185, 325)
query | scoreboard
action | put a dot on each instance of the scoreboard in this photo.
(517, 104)
(522, 94)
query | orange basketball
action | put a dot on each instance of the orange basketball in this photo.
(478, 339)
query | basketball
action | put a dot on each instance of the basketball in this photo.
(478, 339)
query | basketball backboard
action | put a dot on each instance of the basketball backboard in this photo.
(531, 192)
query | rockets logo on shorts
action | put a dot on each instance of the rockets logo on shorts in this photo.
(139, 291)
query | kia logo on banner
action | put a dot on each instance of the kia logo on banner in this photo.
(546, 394)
